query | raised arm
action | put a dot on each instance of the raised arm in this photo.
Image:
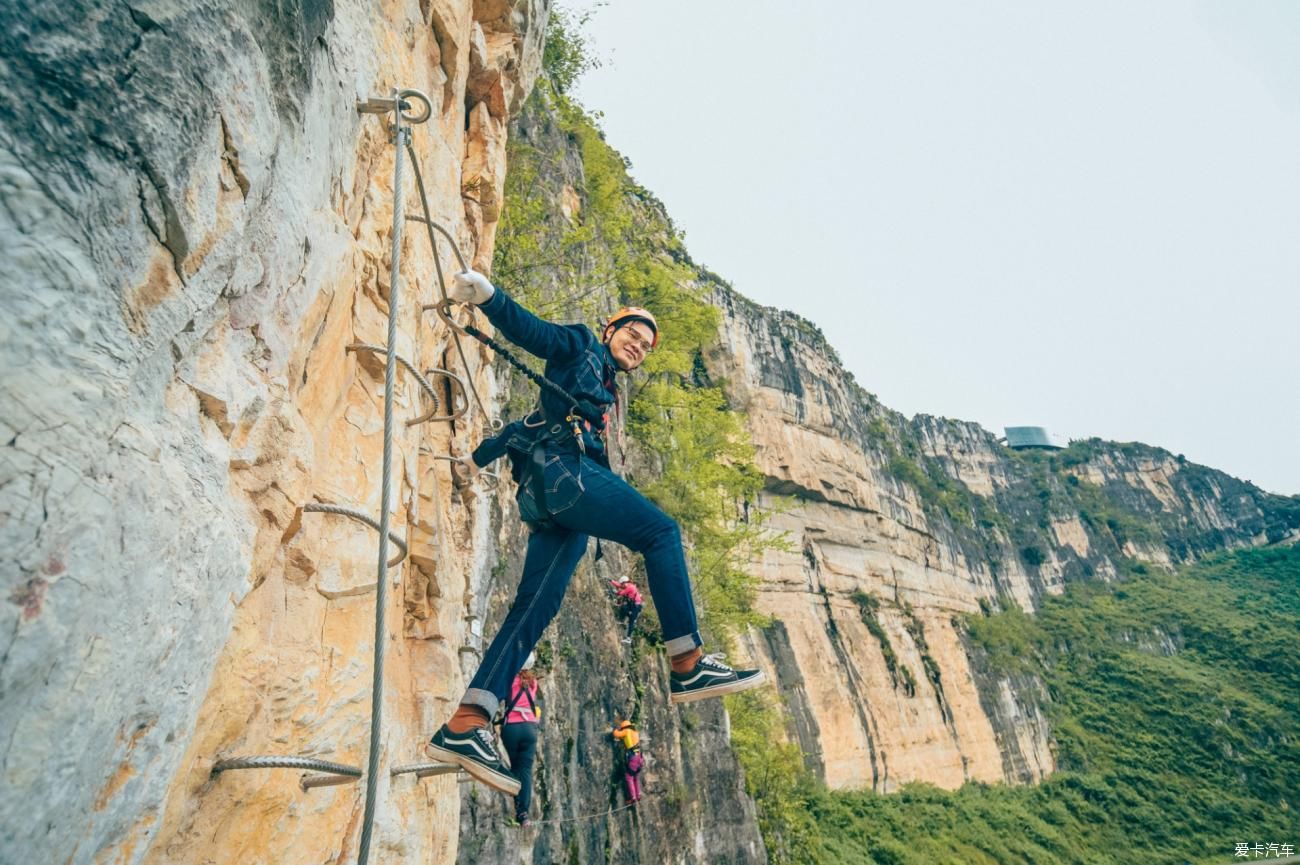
(534, 335)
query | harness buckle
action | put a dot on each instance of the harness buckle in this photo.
(577, 430)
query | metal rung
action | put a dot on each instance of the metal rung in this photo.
(426, 770)
(272, 761)
(386, 104)
(324, 508)
(464, 396)
(481, 472)
(308, 782)
(455, 246)
(424, 384)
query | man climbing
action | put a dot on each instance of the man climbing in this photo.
(630, 603)
(567, 494)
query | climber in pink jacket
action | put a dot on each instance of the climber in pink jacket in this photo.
(630, 602)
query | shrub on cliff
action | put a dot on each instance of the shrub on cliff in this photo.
(1174, 706)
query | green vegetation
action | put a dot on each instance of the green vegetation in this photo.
(868, 606)
(1101, 515)
(1174, 705)
(567, 54)
(916, 630)
(1163, 757)
(942, 496)
(775, 776)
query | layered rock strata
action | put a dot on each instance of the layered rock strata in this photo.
(899, 527)
(197, 228)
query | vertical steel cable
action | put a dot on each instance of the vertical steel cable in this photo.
(400, 134)
(430, 226)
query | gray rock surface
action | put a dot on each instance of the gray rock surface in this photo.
(181, 186)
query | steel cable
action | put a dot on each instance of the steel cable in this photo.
(401, 137)
(430, 225)
(270, 761)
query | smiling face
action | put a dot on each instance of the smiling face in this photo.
(630, 344)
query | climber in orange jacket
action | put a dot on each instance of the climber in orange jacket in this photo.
(630, 757)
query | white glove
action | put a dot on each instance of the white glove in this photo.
(470, 286)
(469, 470)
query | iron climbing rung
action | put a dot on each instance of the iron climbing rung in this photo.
(309, 782)
(272, 761)
(425, 770)
(324, 508)
(424, 385)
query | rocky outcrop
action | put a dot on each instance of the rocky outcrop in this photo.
(197, 226)
(899, 527)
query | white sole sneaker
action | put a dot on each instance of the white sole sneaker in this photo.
(507, 784)
(720, 690)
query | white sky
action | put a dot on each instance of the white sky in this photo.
(1084, 216)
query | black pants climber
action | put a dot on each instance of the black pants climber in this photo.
(631, 612)
(520, 740)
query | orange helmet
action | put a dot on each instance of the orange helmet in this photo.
(636, 313)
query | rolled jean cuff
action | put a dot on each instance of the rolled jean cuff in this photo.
(683, 644)
(485, 700)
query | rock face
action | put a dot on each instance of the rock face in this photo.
(897, 527)
(197, 230)
(196, 227)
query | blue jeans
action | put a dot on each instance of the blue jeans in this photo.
(588, 501)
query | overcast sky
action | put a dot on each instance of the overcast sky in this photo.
(1083, 216)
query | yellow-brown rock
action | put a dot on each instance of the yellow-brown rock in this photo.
(217, 222)
(885, 559)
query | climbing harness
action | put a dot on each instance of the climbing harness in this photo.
(532, 508)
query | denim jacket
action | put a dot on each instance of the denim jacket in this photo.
(582, 365)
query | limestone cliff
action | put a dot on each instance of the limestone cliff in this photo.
(898, 526)
(197, 227)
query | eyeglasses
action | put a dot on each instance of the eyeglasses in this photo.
(646, 346)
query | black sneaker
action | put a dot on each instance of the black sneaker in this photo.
(476, 753)
(712, 678)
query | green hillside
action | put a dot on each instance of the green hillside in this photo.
(1173, 700)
